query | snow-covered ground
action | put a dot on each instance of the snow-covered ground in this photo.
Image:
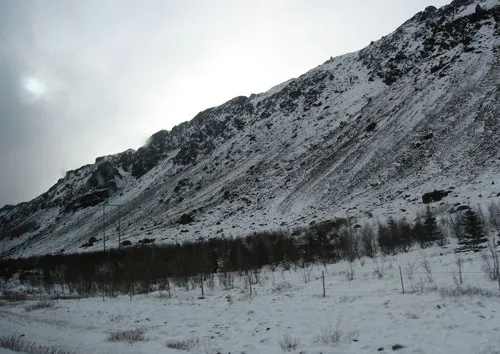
(367, 313)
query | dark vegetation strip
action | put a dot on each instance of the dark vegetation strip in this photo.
(143, 267)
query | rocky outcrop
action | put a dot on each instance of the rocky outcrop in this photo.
(434, 196)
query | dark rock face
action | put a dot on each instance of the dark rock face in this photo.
(428, 136)
(91, 198)
(7, 207)
(434, 196)
(90, 243)
(104, 176)
(19, 230)
(150, 154)
(194, 138)
(306, 90)
(371, 127)
(126, 243)
(146, 241)
(189, 152)
(457, 3)
(436, 35)
(479, 14)
(429, 12)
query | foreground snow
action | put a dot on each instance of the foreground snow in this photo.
(370, 312)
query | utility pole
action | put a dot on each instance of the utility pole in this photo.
(119, 227)
(104, 223)
(104, 226)
(3, 241)
(4, 233)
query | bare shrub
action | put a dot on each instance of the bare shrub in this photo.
(412, 316)
(129, 336)
(426, 264)
(460, 291)
(380, 269)
(494, 216)
(59, 296)
(410, 269)
(164, 285)
(456, 279)
(418, 286)
(289, 343)
(185, 344)
(210, 281)
(208, 346)
(282, 287)
(115, 318)
(487, 266)
(305, 272)
(459, 262)
(346, 299)
(490, 261)
(330, 335)
(15, 343)
(226, 280)
(44, 304)
(14, 296)
(350, 272)
(490, 350)
(369, 240)
(163, 295)
(455, 225)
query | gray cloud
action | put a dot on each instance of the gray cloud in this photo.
(116, 71)
(19, 132)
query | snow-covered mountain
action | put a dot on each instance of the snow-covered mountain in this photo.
(366, 133)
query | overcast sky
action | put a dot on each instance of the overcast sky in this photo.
(85, 78)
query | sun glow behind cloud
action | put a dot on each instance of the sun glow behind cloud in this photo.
(33, 88)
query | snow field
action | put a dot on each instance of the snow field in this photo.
(286, 308)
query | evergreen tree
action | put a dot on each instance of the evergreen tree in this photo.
(406, 240)
(368, 239)
(417, 231)
(474, 234)
(384, 238)
(393, 230)
(431, 231)
(394, 236)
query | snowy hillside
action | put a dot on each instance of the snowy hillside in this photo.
(366, 133)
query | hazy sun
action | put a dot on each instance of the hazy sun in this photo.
(34, 86)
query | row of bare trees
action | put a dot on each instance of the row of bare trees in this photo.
(145, 268)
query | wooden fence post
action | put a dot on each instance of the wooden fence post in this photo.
(323, 277)
(401, 275)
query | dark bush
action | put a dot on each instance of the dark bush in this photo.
(185, 219)
(371, 127)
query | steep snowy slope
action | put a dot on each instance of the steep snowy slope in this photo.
(364, 133)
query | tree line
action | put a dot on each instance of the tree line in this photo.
(147, 267)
